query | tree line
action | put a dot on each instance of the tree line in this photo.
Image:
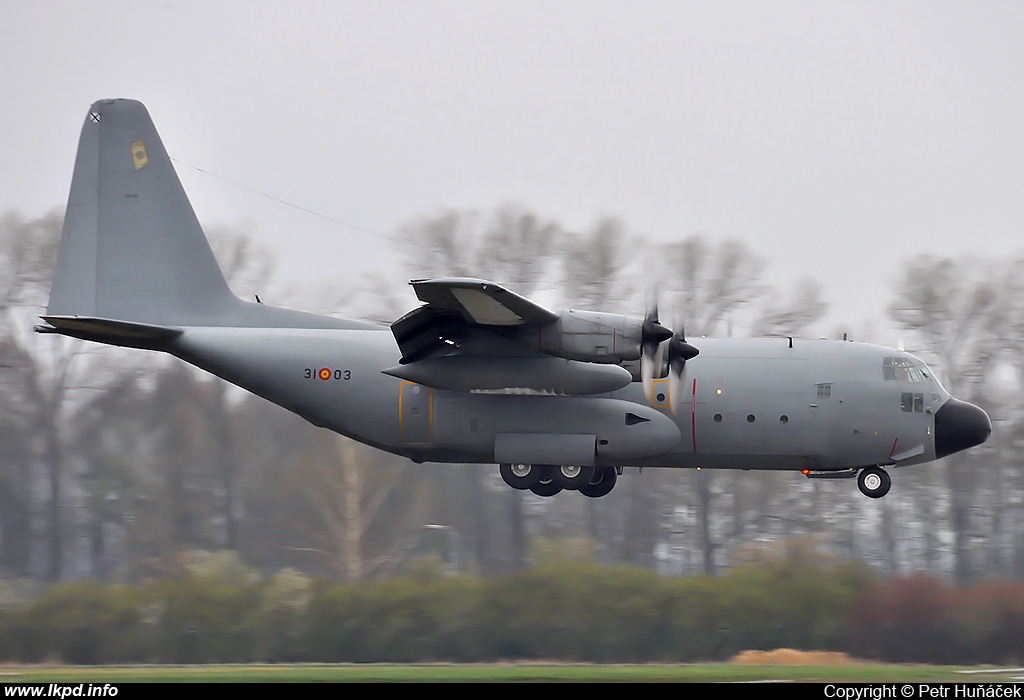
(564, 606)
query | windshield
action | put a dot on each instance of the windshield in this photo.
(903, 369)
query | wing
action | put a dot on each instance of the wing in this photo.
(460, 310)
(464, 338)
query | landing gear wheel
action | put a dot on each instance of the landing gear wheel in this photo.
(571, 477)
(547, 485)
(520, 476)
(874, 482)
(600, 484)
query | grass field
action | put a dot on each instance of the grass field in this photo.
(507, 672)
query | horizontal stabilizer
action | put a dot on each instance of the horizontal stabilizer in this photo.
(105, 330)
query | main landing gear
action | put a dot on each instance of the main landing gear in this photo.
(874, 482)
(550, 479)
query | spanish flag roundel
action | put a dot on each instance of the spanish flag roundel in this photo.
(325, 374)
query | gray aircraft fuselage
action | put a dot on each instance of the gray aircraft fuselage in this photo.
(478, 373)
(766, 403)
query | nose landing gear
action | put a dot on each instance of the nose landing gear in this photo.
(874, 482)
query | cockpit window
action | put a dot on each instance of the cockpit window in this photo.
(902, 369)
(911, 403)
(907, 402)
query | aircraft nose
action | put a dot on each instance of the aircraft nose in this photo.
(959, 425)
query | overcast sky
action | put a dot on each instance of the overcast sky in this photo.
(837, 139)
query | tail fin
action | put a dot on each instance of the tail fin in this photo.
(132, 248)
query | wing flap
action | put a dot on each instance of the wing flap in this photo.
(425, 331)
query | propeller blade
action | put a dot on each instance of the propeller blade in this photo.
(675, 389)
(652, 336)
(651, 362)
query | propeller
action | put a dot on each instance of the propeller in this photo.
(652, 336)
(655, 354)
(679, 351)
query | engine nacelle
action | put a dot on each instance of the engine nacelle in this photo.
(587, 336)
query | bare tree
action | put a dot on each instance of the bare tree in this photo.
(791, 316)
(707, 283)
(955, 312)
(27, 250)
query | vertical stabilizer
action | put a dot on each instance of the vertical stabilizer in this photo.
(132, 248)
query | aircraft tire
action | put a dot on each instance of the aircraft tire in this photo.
(572, 477)
(600, 484)
(520, 476)
(874, 482)
(546, 486)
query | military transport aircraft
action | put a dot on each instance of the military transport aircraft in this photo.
(561, 400)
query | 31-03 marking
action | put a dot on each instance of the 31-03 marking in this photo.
(326, 374)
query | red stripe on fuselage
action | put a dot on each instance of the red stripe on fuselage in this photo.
(693, 414)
